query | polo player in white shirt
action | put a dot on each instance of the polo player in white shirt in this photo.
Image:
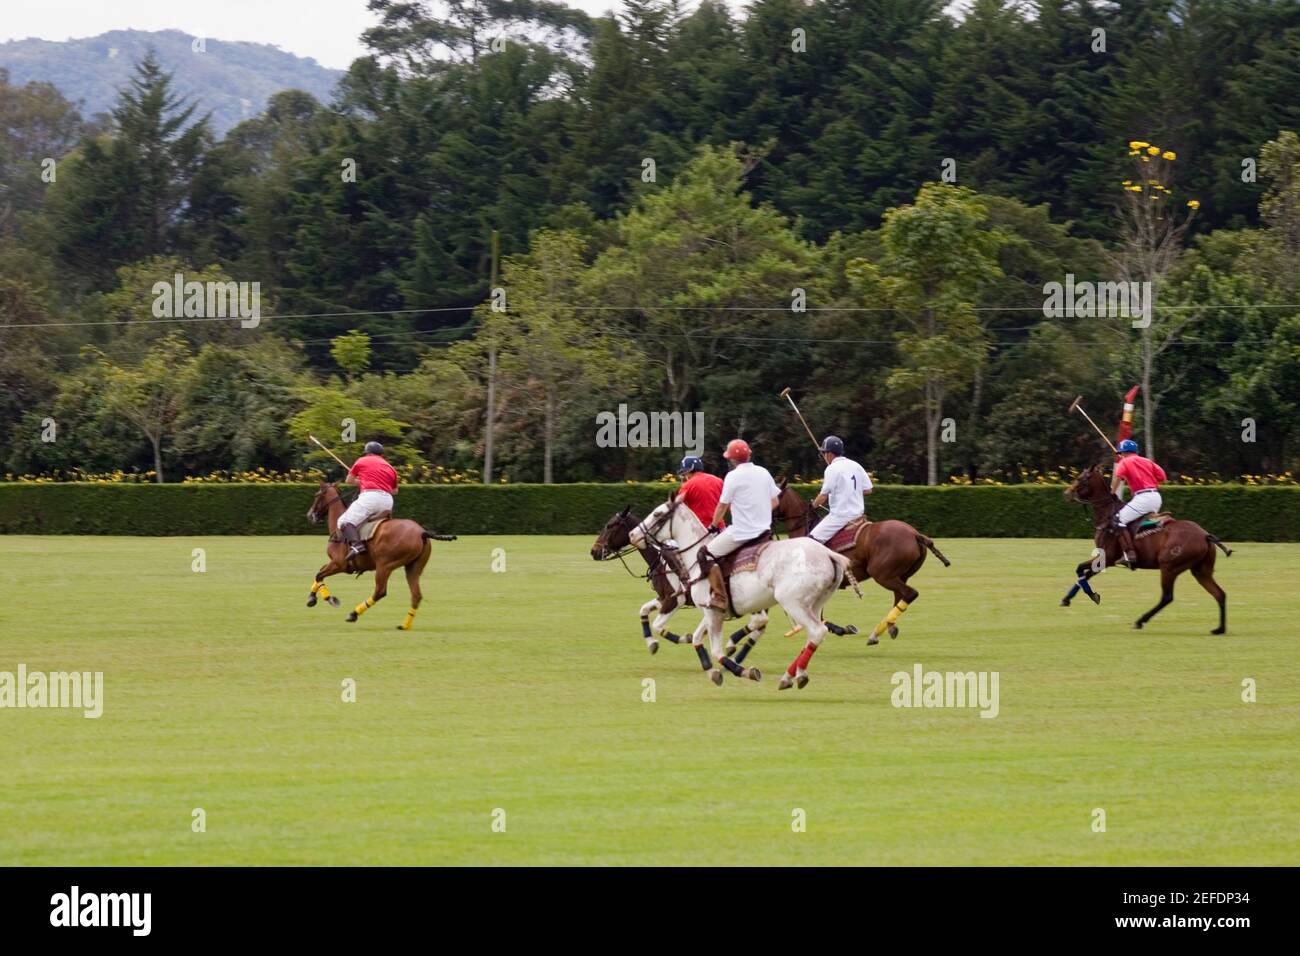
(844, 485)
(751, 495)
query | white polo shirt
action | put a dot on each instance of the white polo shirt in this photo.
(749, 490)
(844, 482)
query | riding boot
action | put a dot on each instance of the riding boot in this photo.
(710, 568)
(352, 538)
(1126, 543)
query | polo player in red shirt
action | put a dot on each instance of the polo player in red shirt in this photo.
(378, 483)
(700, 491)
(1143, 477)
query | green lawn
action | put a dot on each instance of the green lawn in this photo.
(523, 691)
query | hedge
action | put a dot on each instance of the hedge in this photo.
(1234, 512)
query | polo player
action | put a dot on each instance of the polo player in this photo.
(845, 483)
(751, 495)
(1143, 477)
(377, 482)
(700, 491)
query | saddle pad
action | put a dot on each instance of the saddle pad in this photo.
(744, 558)
(367, 530)
(846, 538)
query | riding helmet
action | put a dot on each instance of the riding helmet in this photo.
(374, 448)
(690, 463)
(737, 451)
(833, 445)
(1128, 444)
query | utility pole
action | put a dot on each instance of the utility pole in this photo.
(490, 436)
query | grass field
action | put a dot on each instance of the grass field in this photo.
(523, 691)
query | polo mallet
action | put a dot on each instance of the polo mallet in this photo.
(1075, 406)
(785, 393)
(330, 453)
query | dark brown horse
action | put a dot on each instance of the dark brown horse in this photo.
(1177, 547)
(396, 543)
(889, 552)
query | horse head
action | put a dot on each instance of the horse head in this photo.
(614, 537)
(1089, 487)
(326, 495)
(792, 510)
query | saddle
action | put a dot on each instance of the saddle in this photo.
(744, 558)
(846, 539)
(1149, 524)
(367, 529)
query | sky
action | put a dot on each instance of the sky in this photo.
(326, 30)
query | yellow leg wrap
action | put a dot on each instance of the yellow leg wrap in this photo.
(408, 620)
(316, 586)
(364, 606)
(894, 614)
(322, 590)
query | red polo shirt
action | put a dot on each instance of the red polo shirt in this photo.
(701, 493)
(1140, 474)
(372, 473)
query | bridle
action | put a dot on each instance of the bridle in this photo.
(1091, 501)
(809, 516)
(325, 505)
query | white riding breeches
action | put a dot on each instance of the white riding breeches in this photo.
(366, 506)
(1144, 502)
(826, 528)
(725, 543)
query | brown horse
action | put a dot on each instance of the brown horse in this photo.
(396, 543)
(889, 552)
(1177, 547)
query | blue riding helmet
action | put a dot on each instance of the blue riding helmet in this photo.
(374, 448)
(833, 445)
(690, 463)
(1128, 444)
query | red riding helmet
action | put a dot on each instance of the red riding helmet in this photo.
(737, 451)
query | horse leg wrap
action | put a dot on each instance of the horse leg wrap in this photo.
(1083, 583)
(732, 666)
(316, 586)
(322, 590)
(704, 657)
(645, 627)
(894, 614)
(739, 635)
(408, 620)
(675, 638)
(744, 650)
(364, 606)
(800, 663)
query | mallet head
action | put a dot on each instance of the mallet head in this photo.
(1075, 404)
(785, 393)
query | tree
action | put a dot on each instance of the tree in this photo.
(351, 352)
(149, 394)
(937, 256)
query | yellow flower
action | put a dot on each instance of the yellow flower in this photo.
(1127, 182)
(1137, 144)
(1193, 204)
(1153, 150)
(1135, 189)
(1146, 159)
(1169, 154)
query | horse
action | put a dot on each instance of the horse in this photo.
(396, 543)
(798, 574)
(1177, 547)
(889, 552)
(664, 571)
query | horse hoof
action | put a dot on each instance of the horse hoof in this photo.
(652, 647)
(873, 639)
(1096, 598)
(333, 601)
(402, 627)
(893, 632)
(729, 650)
(1137, 625)
(715, 675)
(311, 601)
(352, 616)
(785, 683)
(1065, 602)
(851, 629)
(754, 674)
(1219, 630)
(801, 681)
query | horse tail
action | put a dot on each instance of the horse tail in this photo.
(431, 536)
(1227, 551)
(927, 543)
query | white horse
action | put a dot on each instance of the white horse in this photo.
(800, 574)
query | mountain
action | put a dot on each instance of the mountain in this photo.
(231, 80)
